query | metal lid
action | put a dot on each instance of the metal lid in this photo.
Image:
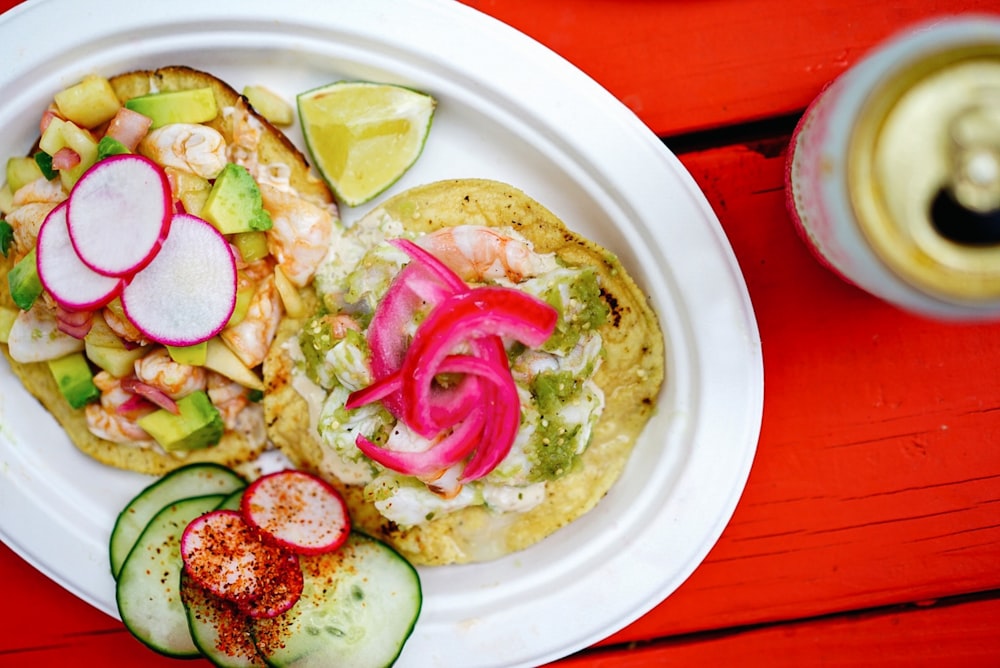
(924, 172)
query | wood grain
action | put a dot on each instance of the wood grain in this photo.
(684, 66)
(930, 635)
(877, 475)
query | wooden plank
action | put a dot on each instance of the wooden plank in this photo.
(877, 478)
(683, 66)
(962, 634)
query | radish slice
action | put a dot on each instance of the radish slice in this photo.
(283, 590)
(223, 554)
(119, 213)
(298, 511)
(74, 285)
(188, 292)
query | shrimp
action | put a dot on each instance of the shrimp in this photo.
(250, 338)
(41, 190)
(195, 148)
(26, 221)
(300, 235)
(120, 325)
(29, 206)
(106, 419)
(478, 253)
(177, 380)
(228, 396)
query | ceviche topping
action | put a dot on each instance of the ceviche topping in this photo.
(153, 244)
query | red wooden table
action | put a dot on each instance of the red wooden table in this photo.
(869, 531)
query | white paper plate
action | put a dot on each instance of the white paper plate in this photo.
(509, 109)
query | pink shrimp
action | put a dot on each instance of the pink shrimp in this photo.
(251, 337)
(106, 420)
(478, 253)
(157, 368)
(228, 396)
(300, 236)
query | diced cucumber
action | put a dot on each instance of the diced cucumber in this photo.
(148, 588)
(186, 481)
(358, 607)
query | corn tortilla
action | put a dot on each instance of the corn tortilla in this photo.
(630, 376)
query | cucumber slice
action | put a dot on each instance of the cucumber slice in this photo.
(219, 629)
(358, 607)
(148, 588)
(232, 501)
(184, 482)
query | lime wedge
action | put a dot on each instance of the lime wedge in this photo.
(363, 136)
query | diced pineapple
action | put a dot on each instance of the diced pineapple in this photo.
(52, 138)
(119, 362)
(270, 105)
(221, 359)
(192, 190)
(194, 355)
(81, 141)
(6, 199)
(20, 171)
(88, 103)
(100, 334)
(252, 246)
(290, 297)
(66, 134)
(7, 318)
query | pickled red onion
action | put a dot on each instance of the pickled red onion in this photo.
(478, 418)
(485, 311)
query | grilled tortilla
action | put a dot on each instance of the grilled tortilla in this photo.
(236, 447)
(630, 376)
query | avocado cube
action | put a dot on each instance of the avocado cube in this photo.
(234, 203)
(197, 425)
(195, 105)
(74, 379)
(23, 282)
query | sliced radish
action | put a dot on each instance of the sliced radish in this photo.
(119, 213)
(298, 511)
(282, 590)
(223, 554)
(73, 285)
(187, 294)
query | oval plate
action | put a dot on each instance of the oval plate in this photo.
(509, 109)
